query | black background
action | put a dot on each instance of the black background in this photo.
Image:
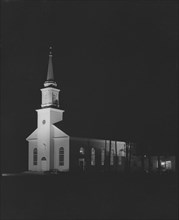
(115, 63)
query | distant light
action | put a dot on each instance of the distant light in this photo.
(145, 156)
(5, 174)
(82, 151)
(11, 174)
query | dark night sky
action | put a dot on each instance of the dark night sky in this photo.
(115, 63)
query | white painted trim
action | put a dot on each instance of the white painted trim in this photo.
(95, 139)
(51, 109)
(50, 88)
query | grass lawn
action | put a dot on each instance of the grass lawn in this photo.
(89, 196)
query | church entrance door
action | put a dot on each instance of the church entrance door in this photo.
(82, 164)
(44, 163)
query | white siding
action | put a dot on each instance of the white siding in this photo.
(61, 142)
(32, 145)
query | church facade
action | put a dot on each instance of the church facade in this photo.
(50, 148)
(48, 145)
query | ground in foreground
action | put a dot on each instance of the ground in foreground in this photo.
(89, 196)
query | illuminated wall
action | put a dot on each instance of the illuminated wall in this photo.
(61, 142)
(47, 138)
(101, 147)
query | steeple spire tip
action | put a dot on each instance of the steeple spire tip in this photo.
(50, 77)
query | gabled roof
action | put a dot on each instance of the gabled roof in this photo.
(58, 133)
(74, 134)
(32, 136)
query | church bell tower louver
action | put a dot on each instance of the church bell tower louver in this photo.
(47, 141)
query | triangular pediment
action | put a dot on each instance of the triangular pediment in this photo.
(57, 133)
(32, 136)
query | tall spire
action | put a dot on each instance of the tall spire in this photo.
(50, 77)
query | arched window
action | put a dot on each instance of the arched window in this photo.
(112, 157)
(35, 156)
(43, 159)
(92, 156)
(102, 156)
(82, 150)
(61, 156)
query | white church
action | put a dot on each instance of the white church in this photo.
(51, 149)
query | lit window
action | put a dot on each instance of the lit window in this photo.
(82, 151)
(35, 156)
(112, 158)
(92, 156)
(61, 156)
(102, 157)
(168, 165)
(163, 164)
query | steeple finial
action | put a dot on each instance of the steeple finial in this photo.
(50, 50)
(50, 76)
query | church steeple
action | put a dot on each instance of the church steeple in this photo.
(50, 94)
(50, 76)
(47, 140)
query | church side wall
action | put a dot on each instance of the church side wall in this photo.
(98, 145)
(61, 142)
(32, 145)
